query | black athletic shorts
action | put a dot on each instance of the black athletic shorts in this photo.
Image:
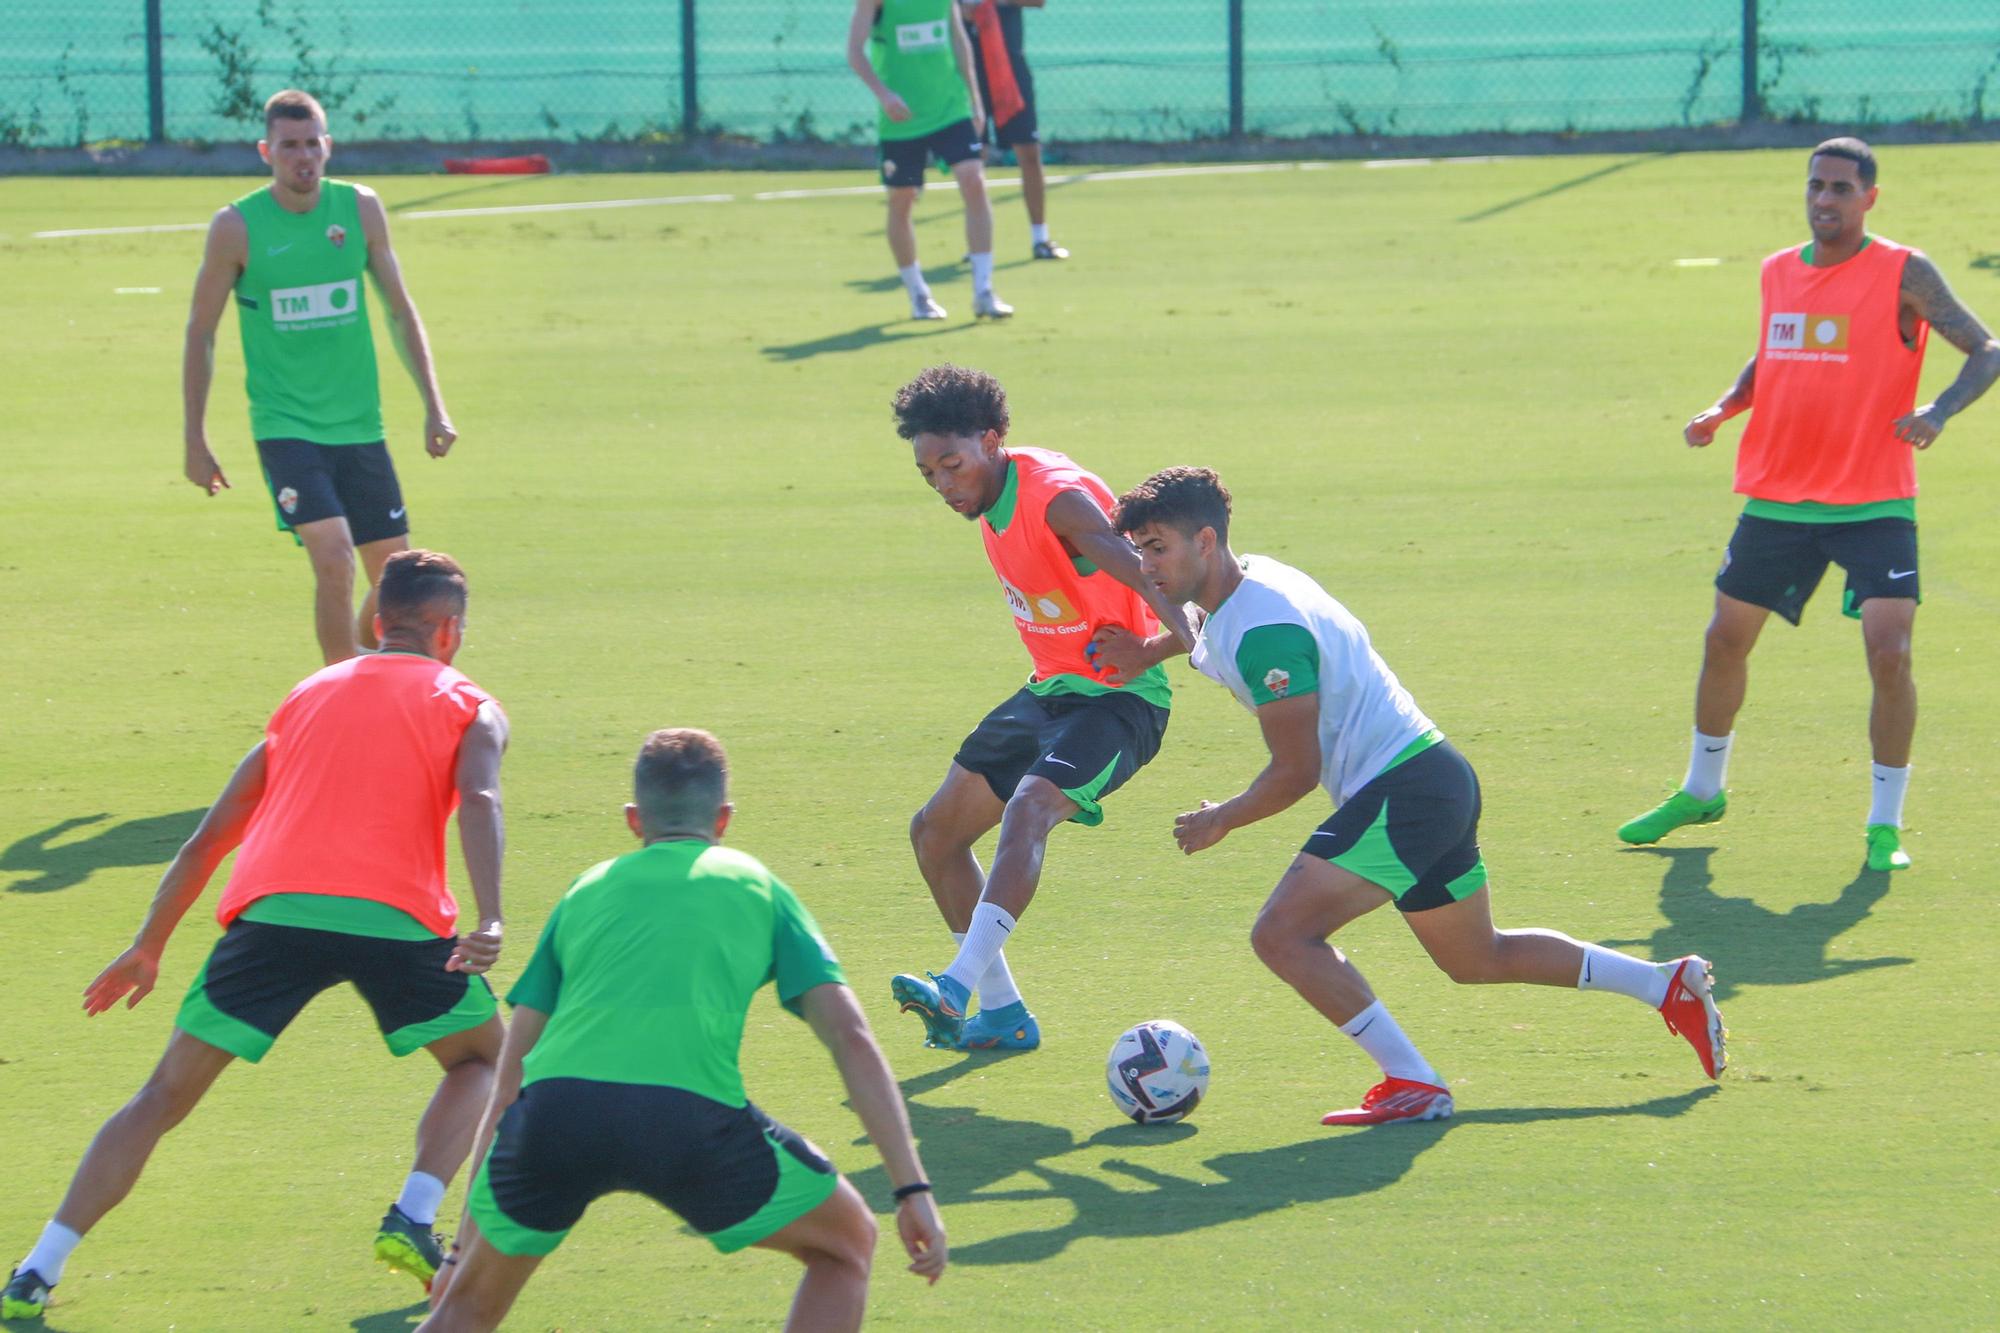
(1776, 564)
(1413, 830)
(1023, 128)
(313, 481)
(903, 160)
(260, 975)
(732, 1173)
(1088, 745)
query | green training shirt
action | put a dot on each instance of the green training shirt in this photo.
(308, 355)
(647, 966)
(910, 48)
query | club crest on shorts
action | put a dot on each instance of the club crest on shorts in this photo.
(288, 500)
(337, 234)
(1278, 681)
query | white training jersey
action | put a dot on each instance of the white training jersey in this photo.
(1278, 635)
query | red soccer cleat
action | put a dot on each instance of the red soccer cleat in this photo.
(1690, 1011)
(1395, 1099)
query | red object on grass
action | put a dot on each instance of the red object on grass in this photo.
(534, 164)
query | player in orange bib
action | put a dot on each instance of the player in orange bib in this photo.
(1829, 469)
(340, 812)
(1068, 738)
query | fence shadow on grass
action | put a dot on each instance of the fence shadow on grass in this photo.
(1574, 182)
(50, 864)
(1752, 945)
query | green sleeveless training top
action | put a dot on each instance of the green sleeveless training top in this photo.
(309, 359)
(910, 49)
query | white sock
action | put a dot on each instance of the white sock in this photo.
(991, 927)
(1708, 763)
(913, 279)
(1375, 1032)
(1607, 969)
(982, 272)
(1890, 786)
(51, 1252)
(422, 1193)
(996, 989)
(1038, 232)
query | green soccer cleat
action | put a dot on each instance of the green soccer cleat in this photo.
(940, 1002)
(1885, 848)
(1670, 814)
(1009, 1028)
(25, 1296)
(408, 1247)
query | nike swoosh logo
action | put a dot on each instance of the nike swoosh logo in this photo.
(1901, 573)
(1714, 749)
(398, 512)
(278, 249)
(1051, 759)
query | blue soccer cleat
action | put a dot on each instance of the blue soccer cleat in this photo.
(940, 1002)
(1009, 1028)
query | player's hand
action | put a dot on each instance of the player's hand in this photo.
(1921, 427)
(134, 970)
(1700, 431)
(1117, 654)
(922, 1230)
(201, 468)
(1199, 829)
(895, 107)
(477, 951)
(978, 120)
(439, 433)
(446, 1272)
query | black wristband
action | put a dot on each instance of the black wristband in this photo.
(920, 1187)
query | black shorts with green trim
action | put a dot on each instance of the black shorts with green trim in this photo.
(1777, 565)
(730, 1172)
(1413, 830)
(1088, 745)
(357, 482)
(260, 975)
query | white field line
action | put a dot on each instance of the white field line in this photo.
(577, 207)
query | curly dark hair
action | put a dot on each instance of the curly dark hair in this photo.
(1186, 499)
(950, 400)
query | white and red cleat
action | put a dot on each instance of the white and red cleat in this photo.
(1395, 1099)
(1690, 1011)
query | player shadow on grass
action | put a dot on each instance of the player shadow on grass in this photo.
(392, 1321)
(1507, 206)
(868, 335)
(150, 841)
(1752, 945)
(941, 274)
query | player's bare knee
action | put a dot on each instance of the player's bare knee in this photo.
(1273, 940)
(1889, 658)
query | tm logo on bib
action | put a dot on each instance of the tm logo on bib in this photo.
(919, 36)
(1813, 333)
(1042, 609)
(318, 306)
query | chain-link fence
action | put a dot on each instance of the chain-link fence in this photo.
(90, 70)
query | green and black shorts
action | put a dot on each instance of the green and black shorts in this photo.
(731, 1172)
(1413, 830)
(1088, 745)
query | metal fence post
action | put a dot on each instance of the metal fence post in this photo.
(1753, 108)
(690, 100)
(156, 83)
(1236, 68)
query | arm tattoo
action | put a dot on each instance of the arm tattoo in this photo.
(1925, 289)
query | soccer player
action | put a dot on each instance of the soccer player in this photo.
(1828, 466)
(292, 254)
(1071, 736)
(1007, 90)
(1405, 826)
(915, 57)
(620, 1069)
(340, 812)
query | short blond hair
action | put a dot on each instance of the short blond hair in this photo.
(681, 779)
(292, 104)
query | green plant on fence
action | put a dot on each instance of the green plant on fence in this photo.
(18, 130)
(237, 55)
(72, 92)
(1771, 57)
(1976, 98)
(1705, 58)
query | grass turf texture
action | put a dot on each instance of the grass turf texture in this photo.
(1454, 394)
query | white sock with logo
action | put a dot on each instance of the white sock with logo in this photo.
(1890, 784)
(1607, 969)
(1375, 1032)
(51, 1252)
(996, 988)
(422, 1193)
(982, 272)
(991, 927)
(1708, 764)
(913, 280)
(1038, 232)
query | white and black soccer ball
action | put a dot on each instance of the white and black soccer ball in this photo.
(1158, 1072)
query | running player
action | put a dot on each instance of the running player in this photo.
(292, 253)
(1405, 827)
(1828, 467)
(1007, 90)
(620, 1070)
(1067, 739)
(340, 812)
(915, 57)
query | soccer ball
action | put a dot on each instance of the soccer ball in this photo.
(1158, 1072)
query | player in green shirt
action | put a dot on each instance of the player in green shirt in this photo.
(292, 253)
(620, 1068)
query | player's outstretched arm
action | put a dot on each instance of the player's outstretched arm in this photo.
(1291, 733)
(1075, 518)
(858, 25)
(838, 1022)
(221, 263)
(482, 835)
(218, 834)
(1700, 430)
(1929, 296)
(406, 326)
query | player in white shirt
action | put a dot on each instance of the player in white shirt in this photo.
(1406, 820)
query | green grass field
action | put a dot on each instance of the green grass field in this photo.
(1452, 392)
